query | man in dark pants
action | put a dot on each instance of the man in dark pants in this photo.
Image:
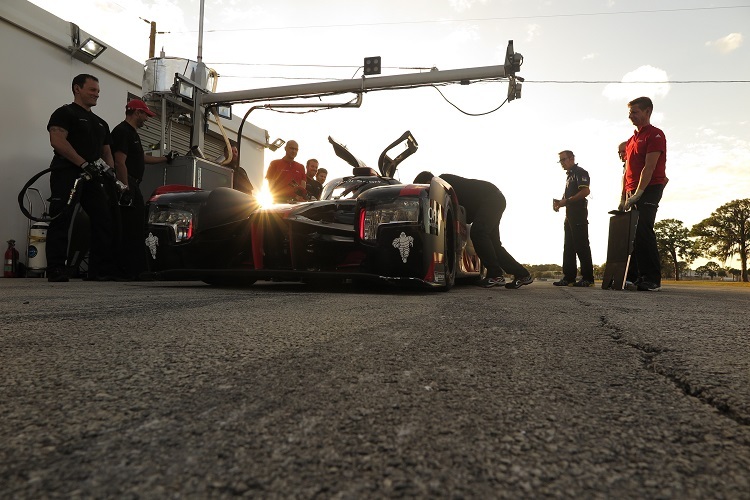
(576, 223)
(632, 275)
(484, 205)
(643, 185)
(130, 165)
(79, 138)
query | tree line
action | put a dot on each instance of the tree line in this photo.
(723, 235)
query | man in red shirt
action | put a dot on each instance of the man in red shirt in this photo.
(642, 187)
(286, 177)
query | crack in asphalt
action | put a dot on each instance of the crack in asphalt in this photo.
(650, 355)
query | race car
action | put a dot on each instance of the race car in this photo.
(367, 226)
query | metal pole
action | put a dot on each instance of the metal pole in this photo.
(200, 33)
(342, 86)
(200, 79)
(513, 62)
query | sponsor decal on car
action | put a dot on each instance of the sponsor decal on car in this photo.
(439, 277)
(403, 243)
(152, 242)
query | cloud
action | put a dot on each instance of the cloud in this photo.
(464, 35)
(532, 31)
(588, 57)
(107, 6)
(727, 44)
(646, 80)
(462, 5)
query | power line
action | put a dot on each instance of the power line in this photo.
(476, 19)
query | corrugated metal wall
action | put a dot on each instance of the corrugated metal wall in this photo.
(178, 138)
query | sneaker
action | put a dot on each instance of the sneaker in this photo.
(583, 283)
(519, 282)
(490, 282)
(630, 286)
(563, 282)
(648, 286)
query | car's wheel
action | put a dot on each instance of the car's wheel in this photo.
(449, 247)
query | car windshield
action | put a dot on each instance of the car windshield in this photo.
(343, 192)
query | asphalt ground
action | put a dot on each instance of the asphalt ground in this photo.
(183, 390)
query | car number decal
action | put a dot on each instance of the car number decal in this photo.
(402, 244)
(434, 215)
(152, 242)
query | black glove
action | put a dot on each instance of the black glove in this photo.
(126, 198)
(170, 156)
(90, 170)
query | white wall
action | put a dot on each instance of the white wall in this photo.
(37, 72)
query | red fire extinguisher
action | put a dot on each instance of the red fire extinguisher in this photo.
(11, 260)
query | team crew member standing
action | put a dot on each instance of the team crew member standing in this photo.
(313, 187)
(485, 204)
(643, 185)
(576, 223)
(79, 137)
(130, 165)
(286, 177)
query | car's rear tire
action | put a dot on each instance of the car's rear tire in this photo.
(449, 249)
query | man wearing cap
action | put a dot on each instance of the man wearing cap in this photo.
(79, 138)
(130, 165)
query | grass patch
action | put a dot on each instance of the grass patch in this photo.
(708, 283)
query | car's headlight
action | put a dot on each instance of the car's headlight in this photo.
(181, 221)
(401, 210)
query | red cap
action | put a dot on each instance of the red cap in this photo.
(138, 104)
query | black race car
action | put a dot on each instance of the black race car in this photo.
(367, 226)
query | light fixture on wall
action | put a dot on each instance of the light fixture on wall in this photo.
(273, 146)
(85, 51)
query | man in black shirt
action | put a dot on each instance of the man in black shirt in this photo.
(313, 187)
(130, 165)
(484, 205)
(576, 224)
(79, 138)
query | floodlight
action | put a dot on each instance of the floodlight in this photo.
(90, 49)
(276, 144)
(183, 87)
(514, 88)
(224, 111)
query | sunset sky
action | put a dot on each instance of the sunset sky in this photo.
(583, 61)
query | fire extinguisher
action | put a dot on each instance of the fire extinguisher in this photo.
(11, 260)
